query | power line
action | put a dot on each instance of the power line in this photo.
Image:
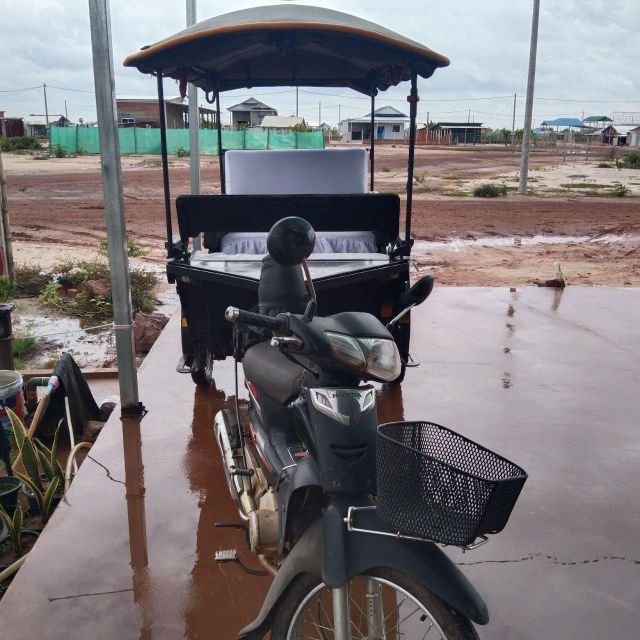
(23, 89)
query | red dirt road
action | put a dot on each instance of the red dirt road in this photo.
(66, 207)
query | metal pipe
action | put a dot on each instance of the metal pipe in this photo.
(103, 72)
(223, 186)
(341, 613)
(413, 100)
(372, 152)
(165, 167)
(528, 112)
(6, 336)
(194, 126)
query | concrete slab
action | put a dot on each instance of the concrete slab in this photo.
(548, 379)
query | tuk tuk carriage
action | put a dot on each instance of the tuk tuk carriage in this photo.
(361, 262)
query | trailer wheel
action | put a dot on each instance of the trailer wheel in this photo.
(203, 375)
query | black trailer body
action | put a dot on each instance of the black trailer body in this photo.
(209, 281)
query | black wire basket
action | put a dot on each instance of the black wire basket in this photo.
(434, 483)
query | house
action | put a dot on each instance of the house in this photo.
(10, 127)
(249, 113)
(144, 112)
(280, 124)
(616, 135)
(389, 124)
(36, 125)
(454, 133)
(633, 137)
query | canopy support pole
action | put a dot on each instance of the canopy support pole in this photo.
(165, 166)
(223, 186)
(413, 100)
(104, 79)
(372, 151)
(194, 126)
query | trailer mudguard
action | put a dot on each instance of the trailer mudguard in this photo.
(329, 551)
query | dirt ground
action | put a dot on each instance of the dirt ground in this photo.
(57, 211)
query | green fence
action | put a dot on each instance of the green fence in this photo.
(147, 141)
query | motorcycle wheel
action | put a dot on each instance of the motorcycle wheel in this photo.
(384, 604)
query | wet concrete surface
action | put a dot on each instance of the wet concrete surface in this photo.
(546, 378)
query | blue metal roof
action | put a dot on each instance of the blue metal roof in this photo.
(563, 122)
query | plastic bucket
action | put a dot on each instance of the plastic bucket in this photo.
(11, 396)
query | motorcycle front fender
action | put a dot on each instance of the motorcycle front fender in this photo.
(335, 555)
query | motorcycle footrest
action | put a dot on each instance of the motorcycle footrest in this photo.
(226, 555)
(412, 361)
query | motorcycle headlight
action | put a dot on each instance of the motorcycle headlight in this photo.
(378, 357)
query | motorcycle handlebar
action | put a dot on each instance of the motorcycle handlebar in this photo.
(278, 324)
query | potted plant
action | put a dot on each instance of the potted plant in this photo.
(43, 478)
(15, 545)
(9, 488)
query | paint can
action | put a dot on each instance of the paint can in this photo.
(11, 396)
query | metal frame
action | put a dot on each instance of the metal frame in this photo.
(349, 521)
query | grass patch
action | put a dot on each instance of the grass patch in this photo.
(577, 175)
(489, 190)
(420, 177)
(7, 289)
(134, 250)
(99, 307)
(22, 347)
(604, 165)
(386, 170)
(442, 191)
(584, 185)
(631, 160)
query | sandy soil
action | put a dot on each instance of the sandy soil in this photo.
(57, 208)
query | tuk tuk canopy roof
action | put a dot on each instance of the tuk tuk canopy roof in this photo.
(287, 45)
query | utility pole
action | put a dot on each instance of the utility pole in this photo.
(339, 118)
(469, 116)
(46, 108)
(528, 112)
(513, 122)
(296, 101)
(319, 113)
(5, 228)
(66, 115)
(194, 125)
(104, 79)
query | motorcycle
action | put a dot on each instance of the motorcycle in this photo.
(303, 471)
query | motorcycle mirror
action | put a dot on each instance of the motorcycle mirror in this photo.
(418, 293)
(291, 240)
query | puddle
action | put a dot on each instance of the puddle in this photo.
(60, 333)
(460, 244)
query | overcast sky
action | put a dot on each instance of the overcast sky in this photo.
(588, 56)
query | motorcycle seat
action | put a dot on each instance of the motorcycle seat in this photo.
(273, 373)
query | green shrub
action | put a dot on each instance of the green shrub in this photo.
(489, 190)
(631, 160)
(134, 250)
(420, 177)
(7, 289)
(19, 144)
(59, 151)
(603, 165)
(385, 170)
(181, 152)
(50, 294)
(620, 190)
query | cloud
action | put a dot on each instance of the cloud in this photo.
(587, 56)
